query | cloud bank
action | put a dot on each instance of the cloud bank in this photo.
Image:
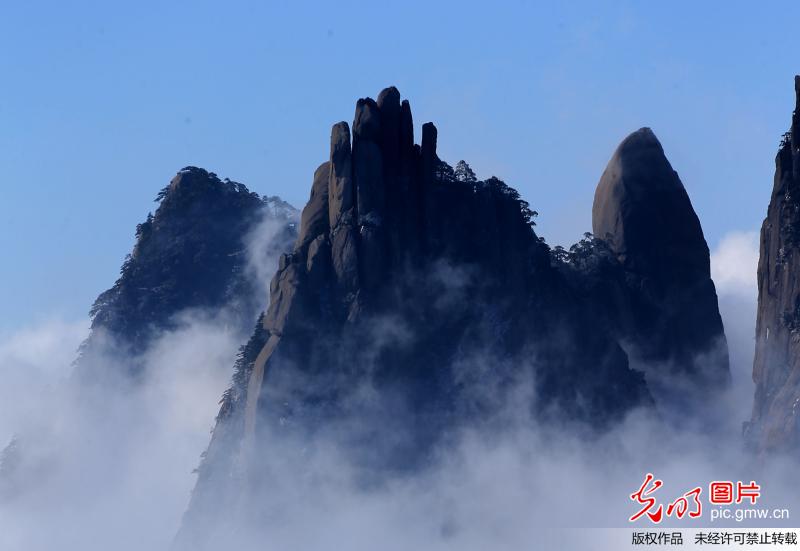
(119, 476)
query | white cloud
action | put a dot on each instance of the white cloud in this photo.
(121, 479)
(108, 466)
(264, 245)
(33, 360)
(734, 264)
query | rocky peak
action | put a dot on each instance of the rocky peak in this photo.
(667, 313)
(431, 291)
(641, 204)
(189, 254)
(377, 205)
(418, 299)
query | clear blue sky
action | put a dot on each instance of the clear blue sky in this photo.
(102, 102)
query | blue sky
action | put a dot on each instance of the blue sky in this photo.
(102, 102)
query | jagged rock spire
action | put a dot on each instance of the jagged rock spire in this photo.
(373, 197)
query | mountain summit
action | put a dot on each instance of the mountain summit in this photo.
(419, 299)
(190, 254)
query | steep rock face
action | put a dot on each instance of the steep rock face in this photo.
(662, 303)
(421, 302)
(190, 254)
(776, 368)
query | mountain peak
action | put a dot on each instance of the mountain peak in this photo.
(419, 299)
(642, 207)
(195, 183)
(644, 137)
(189, 254)
(402, 276)
(640, 150)
(643, 213)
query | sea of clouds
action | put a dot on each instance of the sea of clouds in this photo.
(112, 467)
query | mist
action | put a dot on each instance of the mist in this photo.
(110, 467)
(101, 460)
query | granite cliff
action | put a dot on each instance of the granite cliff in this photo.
(774, 424)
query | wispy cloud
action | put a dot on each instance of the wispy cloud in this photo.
(734, 264)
